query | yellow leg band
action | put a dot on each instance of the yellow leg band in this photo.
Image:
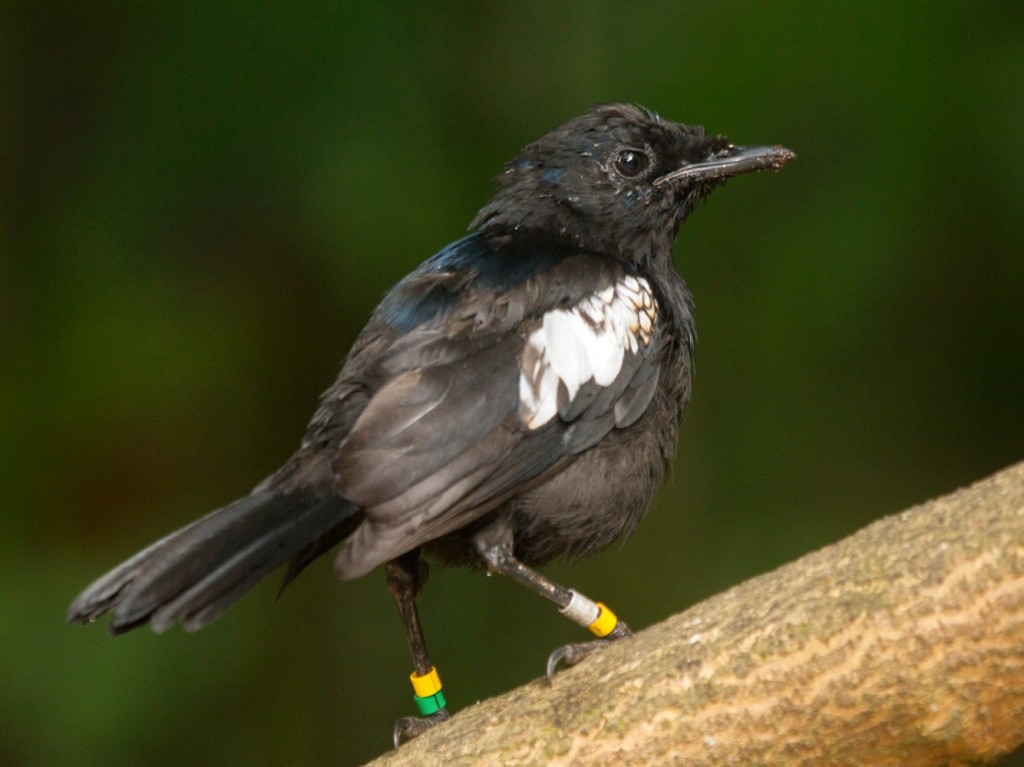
(605, 623)
(430, 683)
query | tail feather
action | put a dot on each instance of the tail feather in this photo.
(314, 550)
(196, 573)
(215, 592)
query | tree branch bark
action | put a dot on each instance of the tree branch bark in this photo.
(900, 645)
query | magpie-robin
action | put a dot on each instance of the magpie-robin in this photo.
(513, 400)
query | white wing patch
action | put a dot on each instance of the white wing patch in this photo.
(586, 342)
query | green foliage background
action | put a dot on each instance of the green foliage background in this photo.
(201, 203)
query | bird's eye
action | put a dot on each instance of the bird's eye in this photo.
(630, 163)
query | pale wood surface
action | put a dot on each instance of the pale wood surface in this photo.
(900, 645)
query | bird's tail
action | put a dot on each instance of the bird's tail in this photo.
(196, 573)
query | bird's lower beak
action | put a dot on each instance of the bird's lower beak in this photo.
(732, 161)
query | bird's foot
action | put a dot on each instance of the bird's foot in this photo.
(571, 654)
(409, 727)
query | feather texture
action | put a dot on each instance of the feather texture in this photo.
(586, 343)
(195, 573)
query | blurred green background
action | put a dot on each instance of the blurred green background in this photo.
(201, 203)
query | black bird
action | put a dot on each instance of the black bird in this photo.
(513, 400)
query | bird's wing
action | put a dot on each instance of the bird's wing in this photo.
(484, 386)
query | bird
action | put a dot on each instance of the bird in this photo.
(514, 400)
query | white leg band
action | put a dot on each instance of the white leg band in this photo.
(580, 609)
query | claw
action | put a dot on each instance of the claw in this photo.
(557, 656)
(409, 727)
(572, 654)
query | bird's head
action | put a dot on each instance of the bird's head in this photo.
(618, 179)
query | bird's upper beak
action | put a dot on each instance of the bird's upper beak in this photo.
(731, 161)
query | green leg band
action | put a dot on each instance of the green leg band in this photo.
(430, 704)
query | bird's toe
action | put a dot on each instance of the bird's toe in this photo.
(409, 727)
(571, 654)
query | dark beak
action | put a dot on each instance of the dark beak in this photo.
(731, 161)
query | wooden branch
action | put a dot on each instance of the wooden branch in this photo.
(900, 645)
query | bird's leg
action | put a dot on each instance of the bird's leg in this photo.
(404, 580)
(595, 616)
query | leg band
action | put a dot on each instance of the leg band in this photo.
(430, 705)
(580, 609)
(605, 623)
(427, 688)
(591, 615)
